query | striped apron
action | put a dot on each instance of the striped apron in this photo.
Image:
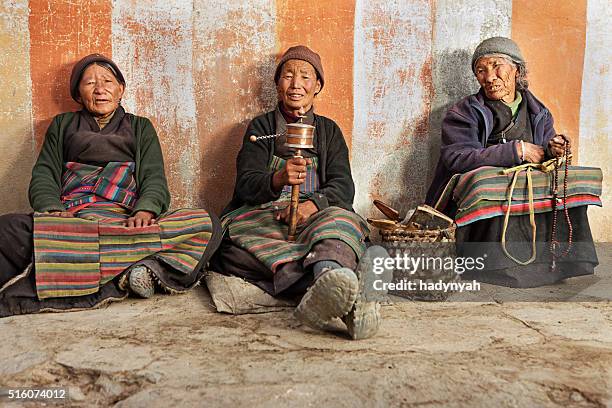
(76, 256)
(256, 230)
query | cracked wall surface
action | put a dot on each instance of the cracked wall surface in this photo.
(200, 70)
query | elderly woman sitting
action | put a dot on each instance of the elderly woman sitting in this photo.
(330, 236)
(100, 227)
(504, 125)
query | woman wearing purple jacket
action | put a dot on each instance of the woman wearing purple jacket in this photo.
(505, 125)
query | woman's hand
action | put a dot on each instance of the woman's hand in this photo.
(304, 211)
(294, 173)
(140, 219)
(557, 145)
(63, 214)
(532, 153)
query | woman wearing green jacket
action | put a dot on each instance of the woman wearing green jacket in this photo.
(101, 227)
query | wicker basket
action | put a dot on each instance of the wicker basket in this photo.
(416, 243)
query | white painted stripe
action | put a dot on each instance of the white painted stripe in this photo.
(595, 110)
(152, 45)
(459, 27)
(391, 99)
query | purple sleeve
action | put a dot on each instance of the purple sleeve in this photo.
(461, 150)
(549, 133)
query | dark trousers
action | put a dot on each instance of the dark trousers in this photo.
(16, 245)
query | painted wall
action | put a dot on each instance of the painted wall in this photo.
(201, 69)
(16, 140)
(596, 99)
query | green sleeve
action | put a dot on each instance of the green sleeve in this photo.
(153, 194)
(46, 183)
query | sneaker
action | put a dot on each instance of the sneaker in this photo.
(141, 281)
(331, 295)
(363, 321)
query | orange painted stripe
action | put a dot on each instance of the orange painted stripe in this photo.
(327, 28)
(62, 32)
(552, 37)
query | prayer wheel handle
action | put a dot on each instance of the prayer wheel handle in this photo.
(299, 136)
(293, 209)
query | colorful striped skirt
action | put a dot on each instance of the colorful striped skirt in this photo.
(77, 256)
(256, 230)
(483, 193)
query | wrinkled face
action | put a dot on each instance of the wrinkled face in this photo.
(297, 85)
(497, 77)
(99, 91)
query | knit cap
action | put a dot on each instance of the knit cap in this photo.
(497, 45)
(303, 53)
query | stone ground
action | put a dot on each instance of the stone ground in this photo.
(177, 351)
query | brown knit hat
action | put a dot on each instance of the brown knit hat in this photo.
(303, 53)
(79, 67)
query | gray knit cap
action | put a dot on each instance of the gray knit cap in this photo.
(497, 45)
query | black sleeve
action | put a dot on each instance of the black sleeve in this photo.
(253, 179)
(338, 189)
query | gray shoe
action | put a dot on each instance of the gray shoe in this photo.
(332, 295)
(141, 281)
(363, 321)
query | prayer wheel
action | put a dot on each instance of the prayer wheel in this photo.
(298, 136)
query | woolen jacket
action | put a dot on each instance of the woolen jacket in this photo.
(254, 179)
(46, 183)
(465, 130)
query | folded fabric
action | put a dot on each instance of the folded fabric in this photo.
(483, 192)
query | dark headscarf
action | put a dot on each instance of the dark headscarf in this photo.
(79, 67)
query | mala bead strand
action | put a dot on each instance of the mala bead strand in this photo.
(554, 243)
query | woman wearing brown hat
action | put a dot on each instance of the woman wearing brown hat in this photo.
(330, 237)
(505, 125)
(101, 227)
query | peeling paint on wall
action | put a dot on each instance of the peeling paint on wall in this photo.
(153, 46)
(201, 69)
(459, 28)
(327, 28)
(551, 35)
(234, 47)
(16, 142)
(61, 33)
(595, 121)
(393, 44)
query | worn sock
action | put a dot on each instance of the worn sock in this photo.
(321, 266)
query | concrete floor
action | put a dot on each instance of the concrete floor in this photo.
(178, 351)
